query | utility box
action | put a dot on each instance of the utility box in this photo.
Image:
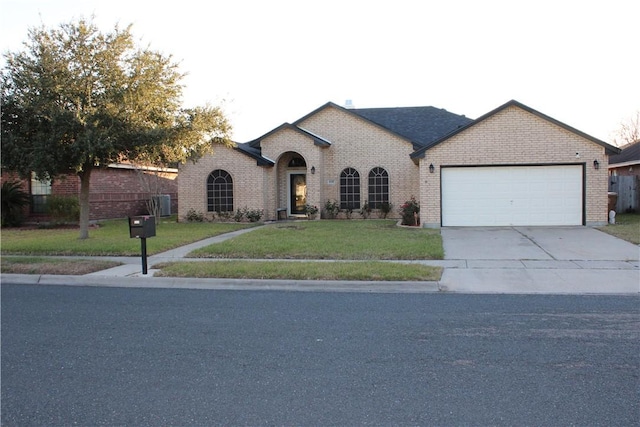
(142, 227)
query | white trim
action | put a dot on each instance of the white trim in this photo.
(624, 164)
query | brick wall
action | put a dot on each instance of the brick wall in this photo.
(515, 136)
(355, 142)
(361, 145)
(114, 193)
(248, 181)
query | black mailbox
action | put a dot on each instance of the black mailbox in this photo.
(142, 226)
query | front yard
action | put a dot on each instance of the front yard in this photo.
(368, 242)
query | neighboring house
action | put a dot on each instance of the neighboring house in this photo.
(118, 191)
(627, 162)
(512, 166)
(624, 179)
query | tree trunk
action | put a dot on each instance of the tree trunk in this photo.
(85, 177)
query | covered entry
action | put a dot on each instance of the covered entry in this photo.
(297, 190)
(512, 195)
(292, 185)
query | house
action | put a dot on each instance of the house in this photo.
(512, 166)
(118, 191)
(627, 162)
(624, 179)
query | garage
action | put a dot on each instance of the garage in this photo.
(512, 195)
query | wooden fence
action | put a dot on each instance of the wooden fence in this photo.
(628, 189)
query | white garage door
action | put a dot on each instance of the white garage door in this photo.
(512, 195)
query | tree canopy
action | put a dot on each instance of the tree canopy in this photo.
(76, 99)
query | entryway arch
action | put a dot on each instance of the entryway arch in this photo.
(292, 183)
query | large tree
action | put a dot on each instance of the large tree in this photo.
(76, 99)
(629, 131)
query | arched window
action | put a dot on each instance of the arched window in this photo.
(219, 191)
(349, 189)
(378, 187)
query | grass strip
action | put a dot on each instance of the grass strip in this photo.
(39, 265)
(301, 270)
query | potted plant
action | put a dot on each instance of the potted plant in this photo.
(311, 211)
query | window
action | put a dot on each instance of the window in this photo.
(40, 190)
(378, 187)
(219, 192)
(349, 189)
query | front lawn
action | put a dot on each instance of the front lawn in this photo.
(366, 240)
(110, 238)
(331, 239)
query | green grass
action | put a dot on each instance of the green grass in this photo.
(111, 238)
(340, 239)
(627, 227)
(303, 270)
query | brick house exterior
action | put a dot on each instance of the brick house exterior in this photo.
(115, 191)
(374, 155)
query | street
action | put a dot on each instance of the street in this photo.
(125, 356)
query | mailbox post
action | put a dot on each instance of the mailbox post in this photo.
(141, 227)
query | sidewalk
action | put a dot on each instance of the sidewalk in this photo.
(501, 276)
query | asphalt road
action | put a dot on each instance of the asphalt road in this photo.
(113, 356)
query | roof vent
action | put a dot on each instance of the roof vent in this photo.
(349, 104)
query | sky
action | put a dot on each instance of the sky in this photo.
(270, 62)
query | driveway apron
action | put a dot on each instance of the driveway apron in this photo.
(539, 260)
(535, 243)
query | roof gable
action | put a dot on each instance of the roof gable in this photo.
(610, 149)
(353, 113)
(254, 148)
(317, 140)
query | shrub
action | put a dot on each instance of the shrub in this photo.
(63, 208)
(365, 211)
(348, 211)
(13, 201)
(310, 209)
(237, 217)
(409, 211)
(385, 208)
(224, 215)
(331, 208)
(254, 215)
(194, 216)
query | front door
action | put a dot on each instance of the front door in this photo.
(297, 193)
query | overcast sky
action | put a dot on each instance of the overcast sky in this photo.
(270, 62)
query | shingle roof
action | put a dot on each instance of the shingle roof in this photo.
(629, 153)
(422, 125)
(254, 152)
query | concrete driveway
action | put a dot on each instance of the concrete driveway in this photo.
(535, 243)
(539, 260)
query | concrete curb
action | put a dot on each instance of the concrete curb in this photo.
(505, 281)
(222, 284)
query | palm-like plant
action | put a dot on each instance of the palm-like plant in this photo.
(13, 201)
